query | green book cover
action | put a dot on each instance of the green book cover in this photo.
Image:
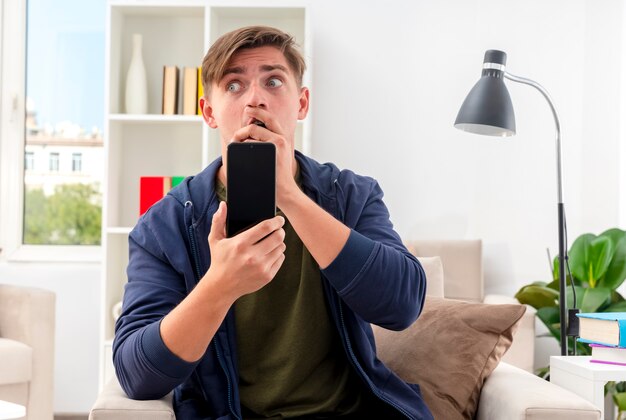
(177, 180)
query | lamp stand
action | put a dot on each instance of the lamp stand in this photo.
(561, 211)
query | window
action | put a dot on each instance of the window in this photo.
(77, 162)
(54, 162)
(64, 119)
(52, 91)
(29, 161)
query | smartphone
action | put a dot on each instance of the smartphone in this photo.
(251, 185)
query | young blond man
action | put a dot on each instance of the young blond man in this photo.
(273, 322)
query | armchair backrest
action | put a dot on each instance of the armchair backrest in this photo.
(462, 266)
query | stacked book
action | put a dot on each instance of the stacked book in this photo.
(182, 88)
(605, 333)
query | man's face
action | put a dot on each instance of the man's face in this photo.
(257, 81)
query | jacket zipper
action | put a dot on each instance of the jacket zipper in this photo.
(360, 369)
(222, 364)
(194, 251)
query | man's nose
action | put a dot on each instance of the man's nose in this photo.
(256, 96)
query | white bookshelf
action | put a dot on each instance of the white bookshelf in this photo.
(174, 33)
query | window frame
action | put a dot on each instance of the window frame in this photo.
(54, 159)
(77, 162)
(29, 161)
(12, 151)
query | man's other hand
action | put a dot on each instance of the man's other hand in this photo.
(248, 261)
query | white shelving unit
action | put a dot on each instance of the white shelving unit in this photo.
(174, 33)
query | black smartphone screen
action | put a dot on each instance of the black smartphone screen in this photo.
(251, 185)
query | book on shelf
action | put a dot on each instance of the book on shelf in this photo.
(608, 355)
(200, 90)
(170, 90)
(607, 328)
(154, 188)
(190, 89)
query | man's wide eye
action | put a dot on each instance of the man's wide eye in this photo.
(233, 87)
(274, 82)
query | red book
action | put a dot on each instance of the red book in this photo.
(151, 190)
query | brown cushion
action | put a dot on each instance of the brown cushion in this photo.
(449, 351)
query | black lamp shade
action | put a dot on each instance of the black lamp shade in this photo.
(487, 109)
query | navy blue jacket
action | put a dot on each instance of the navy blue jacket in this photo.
(374, 279)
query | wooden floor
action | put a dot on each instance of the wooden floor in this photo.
(71, 416)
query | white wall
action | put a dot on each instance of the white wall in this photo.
(389, 78)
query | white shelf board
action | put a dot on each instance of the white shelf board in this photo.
(155, 118)
(119, 230)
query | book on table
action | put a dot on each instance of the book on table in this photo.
(608, 355)
(607, 328)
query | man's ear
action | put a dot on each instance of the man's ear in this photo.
(304, 103)
(207, 112)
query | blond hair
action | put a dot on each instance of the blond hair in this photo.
(216, 60)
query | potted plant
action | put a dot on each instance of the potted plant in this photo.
(597, 267)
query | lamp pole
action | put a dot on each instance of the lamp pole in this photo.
(561, 211)
(488, 110)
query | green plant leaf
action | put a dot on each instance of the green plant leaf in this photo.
(549, 315)
(543, 372)
(616, 307)
(582, 349)
(616, 271)
(554, 285)
(537, 296)
(616, 297)
(580, 293)
(590, 256)
(593, 299)
(620, 400)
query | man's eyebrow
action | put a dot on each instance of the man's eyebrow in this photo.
(264, 68)
(268, 67)
(234, 70)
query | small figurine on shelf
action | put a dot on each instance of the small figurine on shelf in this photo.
(136, 83)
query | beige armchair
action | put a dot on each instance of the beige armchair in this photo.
(27, 320)
(453, 269)
(463, 274)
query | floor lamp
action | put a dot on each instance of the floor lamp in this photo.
(488, 110)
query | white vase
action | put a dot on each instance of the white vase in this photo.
(136, 83)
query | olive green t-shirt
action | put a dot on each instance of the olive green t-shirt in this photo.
(291, 360)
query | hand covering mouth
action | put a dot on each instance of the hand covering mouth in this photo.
(257, 122)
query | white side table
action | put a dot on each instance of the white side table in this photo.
(583, 378)
(11, 411)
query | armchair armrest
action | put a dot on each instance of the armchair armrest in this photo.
(113, 404)
(513, 393)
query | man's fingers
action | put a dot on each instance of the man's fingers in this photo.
(266, 117)
(271, 242)
(278, 262)
(262, 229)
(253, 132)
(218, 224)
